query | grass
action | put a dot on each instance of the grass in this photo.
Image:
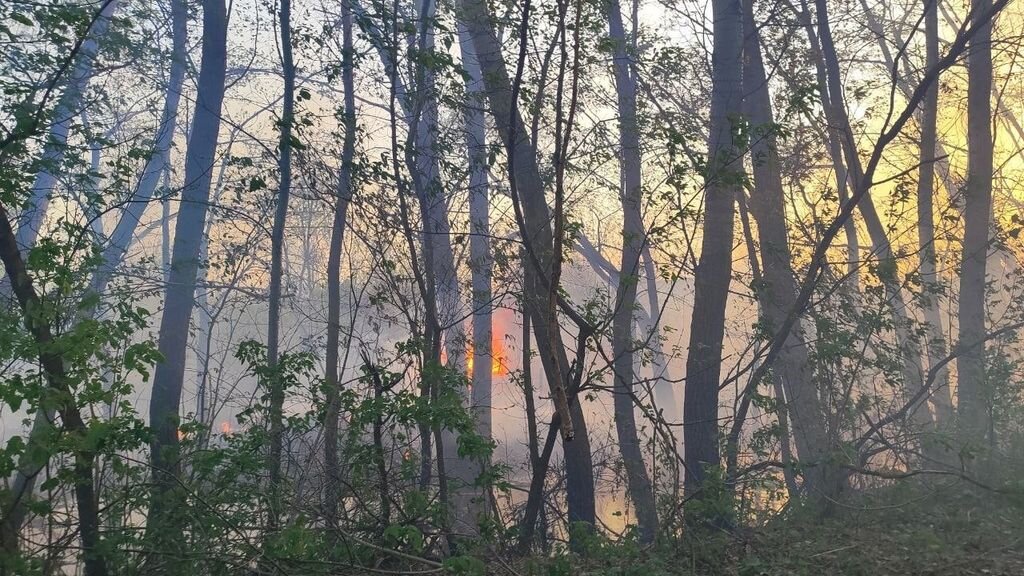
(908, 529)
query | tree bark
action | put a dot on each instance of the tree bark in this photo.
(972, 390)
(888, 268)
(480, 264)
(634, 237)
(284, 166)
(344, 195)
(67, 109)
(714, 270)
(936, 347)
(61, 392)
(120, 238)
(777, 292)
(530, 201)
(179, 300)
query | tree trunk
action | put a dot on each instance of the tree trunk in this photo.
(67, 109)
(284, 164)
(345, 192)
(124, 231)
(888, 270)
(972, 390)
(480, 264)
(665, 400)
(776, 294)
(634, 238)
(714, 270)
(179, 300)
(528, 189)
(422, 160)
(936, 348)
(782, 410)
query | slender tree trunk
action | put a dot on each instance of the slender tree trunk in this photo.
(528, 194)
(972, 390)
(422, 160)
(345, 192)
(480, 264)
(936, 348)
(158, 161)
(888, 269)
(777, 292)
(284, 165)
(634, 238)
(714, 270)
(833, 137)
(538, 470)
(782, 410)
(180, 296)
(67, 109)
(664, 395)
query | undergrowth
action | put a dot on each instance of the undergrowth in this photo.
(909, 529)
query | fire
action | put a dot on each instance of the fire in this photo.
(225, 428)
(498, 365)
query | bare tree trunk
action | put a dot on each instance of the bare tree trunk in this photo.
(777, 292)
(480, 264)
(159, 159)
(275, 383)
(67, 109)
(936, 348)
(179, 301)
(782, 410)
(422, 159)
(972, 390)
(664, 396)
(833, 137)
(888, 271)
(634, 238)
(665, 400)
(538, 470)
(344, 195)
(535, 218)
(441, 291)
(714, 270)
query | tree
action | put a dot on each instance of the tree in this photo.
(713, 273)
(344, 193)
(68, 108)
(931, 288)
(480, 260)
(284, 163)
(634, 239)
(972, 386)
(121, 237)
(180, 295)
(777, 292)
(534, 220)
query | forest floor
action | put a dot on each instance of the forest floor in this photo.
(914, 529)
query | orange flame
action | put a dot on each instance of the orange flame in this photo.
(225, 428)
(498, 366)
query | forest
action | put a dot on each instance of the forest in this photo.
(511, 287)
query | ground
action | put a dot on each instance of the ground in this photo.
(921, 528)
